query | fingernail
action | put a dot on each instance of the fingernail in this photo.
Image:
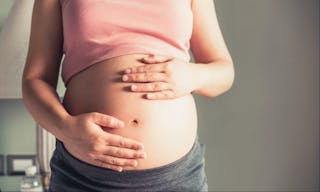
(125, 78)
(127, 70)
(122, 123)
(135, 163)
(149, 96)
(133, 87)
(120, 169)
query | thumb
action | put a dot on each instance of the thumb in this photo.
(106, 120)
(152, 59)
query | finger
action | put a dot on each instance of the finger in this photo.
(156, 59)
(107, 120)
(119, 141)
(146, 87)
(163, 67)
(118, 161)
(101, 163)
(144, 77)
(124, 152)
(161, 95)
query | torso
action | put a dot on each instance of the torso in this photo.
(167, 128)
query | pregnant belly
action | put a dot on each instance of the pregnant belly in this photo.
(167, 128)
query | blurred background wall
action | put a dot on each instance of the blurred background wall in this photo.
(261, 135)
(5, 6)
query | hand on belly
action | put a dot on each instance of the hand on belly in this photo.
(163, 77)
(166, 127)
(85, 140)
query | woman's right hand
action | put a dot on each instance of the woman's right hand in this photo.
(85, 139)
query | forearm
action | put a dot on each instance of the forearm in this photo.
(215, 78)
(44, 105)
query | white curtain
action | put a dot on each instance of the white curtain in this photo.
(45, 147)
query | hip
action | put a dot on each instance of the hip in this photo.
(184, 174)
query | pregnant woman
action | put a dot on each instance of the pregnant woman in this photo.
(128, 120)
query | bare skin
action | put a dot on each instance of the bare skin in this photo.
(100, 88)
(90, 128)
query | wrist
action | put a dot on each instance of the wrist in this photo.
(64, 127)
(201, 76)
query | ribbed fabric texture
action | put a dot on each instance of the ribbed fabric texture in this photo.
(95, 30)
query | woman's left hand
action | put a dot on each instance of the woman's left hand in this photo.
(163, 78)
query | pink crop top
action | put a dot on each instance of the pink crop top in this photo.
(95, 30)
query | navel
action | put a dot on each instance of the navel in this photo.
(135, 122)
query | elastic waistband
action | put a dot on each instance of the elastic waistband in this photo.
(163, 174)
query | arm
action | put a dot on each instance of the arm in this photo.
(81, 134)
(215, 65)
(169, 78)
(41, 71)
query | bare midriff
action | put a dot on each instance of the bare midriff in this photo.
(167, 128)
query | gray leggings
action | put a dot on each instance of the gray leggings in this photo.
(70, 174)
